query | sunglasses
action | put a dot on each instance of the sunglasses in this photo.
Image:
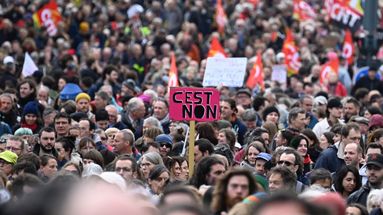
(286, 163)
(167, 145)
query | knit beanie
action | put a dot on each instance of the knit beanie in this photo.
(82, 96)
(23, 131)
(269, 110)
(31, 108)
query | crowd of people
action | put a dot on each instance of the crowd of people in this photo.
(89, 132)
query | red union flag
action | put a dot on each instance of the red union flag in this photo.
(303, 11)
(256, 74)
(348, 48)
(220, 17)
(331, 66)
(173, 73)
(216, 48)
(290, 50)
(49, 17)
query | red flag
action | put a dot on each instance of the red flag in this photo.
(216, 48)
(290, 50)
(348, 47)
(220, 17)
(303, 11)
(256, 74)
(48, 16)
(173, 73)
(331, 66)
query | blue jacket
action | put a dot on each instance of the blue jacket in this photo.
(329, 160)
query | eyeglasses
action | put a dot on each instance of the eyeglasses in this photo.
(10, 148)
(286, 163)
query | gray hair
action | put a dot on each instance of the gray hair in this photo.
(294, 113)
(153, 121)
(249, 115)
(134, 104)
(128, 135)
(152, 157)
(375, 197)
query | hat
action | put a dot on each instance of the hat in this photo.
(114, 178)
(31, 108)
(8, 59)
(361, 119)
(280, 56)
(320, 100)
(9, 157)
(245, 91)
(264, 156)
(376, 120)
(164, 138)
(269, 110)
(23, 131)
(82, 96)
(91, 169)
(69, 92)
(375, 159)
(134, 10)
(131, 84)
(84, 27)
(238, 145)
(334, 102)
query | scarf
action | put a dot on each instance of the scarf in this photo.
(32, 127)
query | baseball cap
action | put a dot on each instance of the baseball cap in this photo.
(8, 59)
(320, 100)
(375, 159)
(360, 119)
(264, 156)
(244, 91)
(9, 157)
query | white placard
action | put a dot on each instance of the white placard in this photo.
(228, 72)
(279, 74)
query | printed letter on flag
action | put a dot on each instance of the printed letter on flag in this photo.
(49, 17)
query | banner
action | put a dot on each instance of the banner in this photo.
(216, 49)
(228, 72)
(49, 17)
(303, 11)
(345, 13)
(290, 50)
(199, 104)
(348, 48)
(256, 74)
(331, 66)
(29, 67)
(173, 72)
(220, 17)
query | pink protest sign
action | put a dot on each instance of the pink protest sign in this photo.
(199, 104)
